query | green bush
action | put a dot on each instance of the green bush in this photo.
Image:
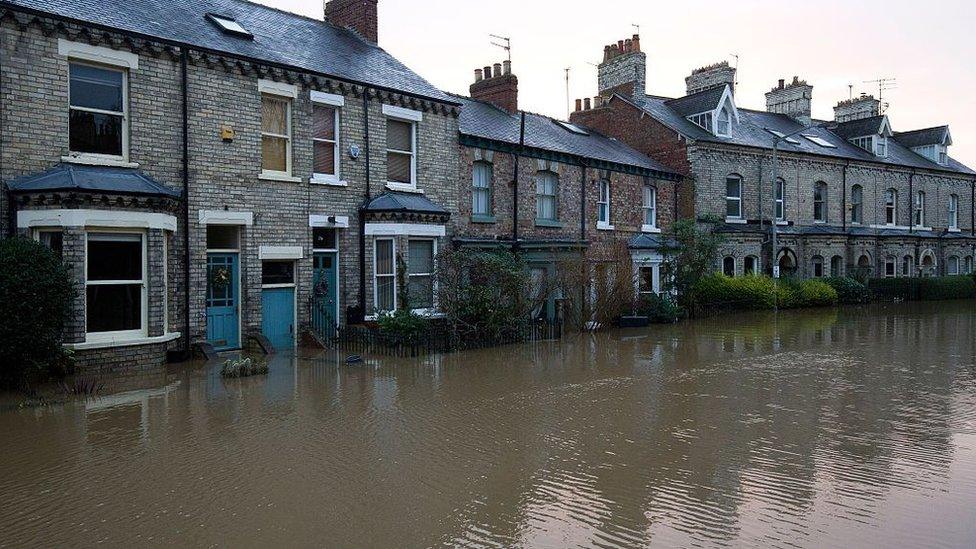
(35, 295)
(660, 310)
(925, 289)
(747, 292)
(812, 293)
(403, 324)
(849, 290)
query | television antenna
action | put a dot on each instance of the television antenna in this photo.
(569, 108)
(735, 85)
(636, 28)
(884, 85)
(507, 46)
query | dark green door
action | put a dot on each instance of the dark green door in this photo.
(325, 294)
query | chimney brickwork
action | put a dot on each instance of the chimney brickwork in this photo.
(710, 77)
(497, 85)
(358, 15)
(858, 108)
(623, 70)
(794, 100)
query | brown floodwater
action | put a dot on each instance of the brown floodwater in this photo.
(828, 428)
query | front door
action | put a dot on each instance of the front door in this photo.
(223, 301)
(325, 294)
(278, 320)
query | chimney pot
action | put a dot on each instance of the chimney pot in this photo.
(478, 75)
(782, 83)
(586, 104)
(620, 45)
(498, 69)
(628, 45)
(497, 87)
(636, 41)
(597, 102)
(487, 73)
(507, 66)
(579, 105)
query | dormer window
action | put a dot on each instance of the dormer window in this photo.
(724, 127)
(703, 120)
(229, 25)
(863, 143)
(881, 147)
(943, 156)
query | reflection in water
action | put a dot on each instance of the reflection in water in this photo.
(849, 428)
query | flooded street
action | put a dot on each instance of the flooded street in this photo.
(829, 428)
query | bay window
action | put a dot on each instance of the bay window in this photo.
(384, 274)
(98, 111)
(420, 273)
(115, 293)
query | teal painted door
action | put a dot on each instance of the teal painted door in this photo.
(223, 302)
(325, 294)
(278, 319)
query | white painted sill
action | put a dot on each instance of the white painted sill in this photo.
(403, 188)
(327, 180)
(122, 342)
(98, 160)
(650, 229)
(282, 177)
(736, 220)
(601, 226)
(955, 230)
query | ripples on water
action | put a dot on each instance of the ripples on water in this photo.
(851, 428)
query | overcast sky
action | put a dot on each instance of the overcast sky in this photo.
(929, 47)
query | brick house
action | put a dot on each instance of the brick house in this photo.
(852, 195)
(551, 189)
(237, 171)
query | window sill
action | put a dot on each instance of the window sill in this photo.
(549, 223)
(483, 219)
(650, 229)
(97, 160)
(900, 227)
(403, 188)
(327, 180)
(783, 223)
(122, 341)
(604, 227)
(954, 230)
(921, 228)
(736, 220)
(282, 177)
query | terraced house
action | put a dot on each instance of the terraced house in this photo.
(215, 169)
(553, 190)
(852, 195)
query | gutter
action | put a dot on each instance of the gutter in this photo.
(185, 92)
(515, 188)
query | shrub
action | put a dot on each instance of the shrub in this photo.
(35, 295)
(660, 310)
(748, 292)
(404, 325)
(243, 367)
(914, 289)
(691, 261)
(849, 290)
(813, 293)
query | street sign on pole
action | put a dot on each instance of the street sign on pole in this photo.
(775, 271)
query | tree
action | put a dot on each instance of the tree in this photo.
(693, 258)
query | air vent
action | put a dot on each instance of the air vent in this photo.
(229, 25)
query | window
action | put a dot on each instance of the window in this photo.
(229, 25)
(420, 272)
(817, 264)
(116, 284)
(277, 273)
(837, 266)
(780, 199)
(650, 207)
(325, 143)
(881, 147)
(275, 134)
(98, 111)
(908, 266)
(728, 266)
(751, 265)
(954, 211)
(724, 127)
(546, 203)
(325, 239)
(384, 269)
(820, 141)
(952, 266)
(891, 206)
(862, 142)
(920, 209)
(820, 202)
(969, 265)
(782, 136)
(53, 239)
(481, 189)
(400, 148)
(703, 120)
(223, 238)
(645, 280)
(572, 128)
(890, 271)
(943, 156)
(604, 204)
(857, 204)
(733, 197)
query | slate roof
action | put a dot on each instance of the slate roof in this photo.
(280, 37)
(697, 103)
(652, 242)
(751, 131)
(831, 230)
(396, 202)
(76, 177)
(859, 128)
(484, 120)
(920, 138)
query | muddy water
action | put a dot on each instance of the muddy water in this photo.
(852, 428)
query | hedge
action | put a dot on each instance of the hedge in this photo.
(924, 289)
(849, 290)
(762, 293)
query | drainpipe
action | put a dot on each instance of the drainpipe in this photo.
(911, 201)
(185, 91)
(843, 211)
(515, 189)
(972, 208)
(582, 202)
(362, 209)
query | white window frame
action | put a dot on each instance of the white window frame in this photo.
(703, 120)
(881, 146)
(730, 198)
(649, 209)
(604, 211)
(122, 335)
(724, 117)
(756, 267)
(335, 102)
(953, 212)
(433, 275)
(824, 202)
(919, 216)
(554, 196)
(891, 206)
(949, 270)
(486, 188)
(780, 199)
(98, 158)
(377, 275)
(857, 206)
(413, 118)
(273, 93)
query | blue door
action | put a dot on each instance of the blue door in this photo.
(278, 319)
(223, 302)
(325, 294)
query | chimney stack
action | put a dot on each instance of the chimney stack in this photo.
(624, 69)
(794, 100)
(360, 16)
(712, 76)
(497, 86)
(865, 106)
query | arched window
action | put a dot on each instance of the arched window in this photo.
(864, 269)
(952, 266)
(908, 266)
(820, 202)
(728, 266)
(928, 265)
(953, 211)
(891, 206)
(733, 196)
(780, 199)
(920, 209)
(724, 126)
(969, 265)
(481, 180)
(751, 265)
(546, 196)
(837, 266)
(650, 207)
(818, 266)
(857, 204)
